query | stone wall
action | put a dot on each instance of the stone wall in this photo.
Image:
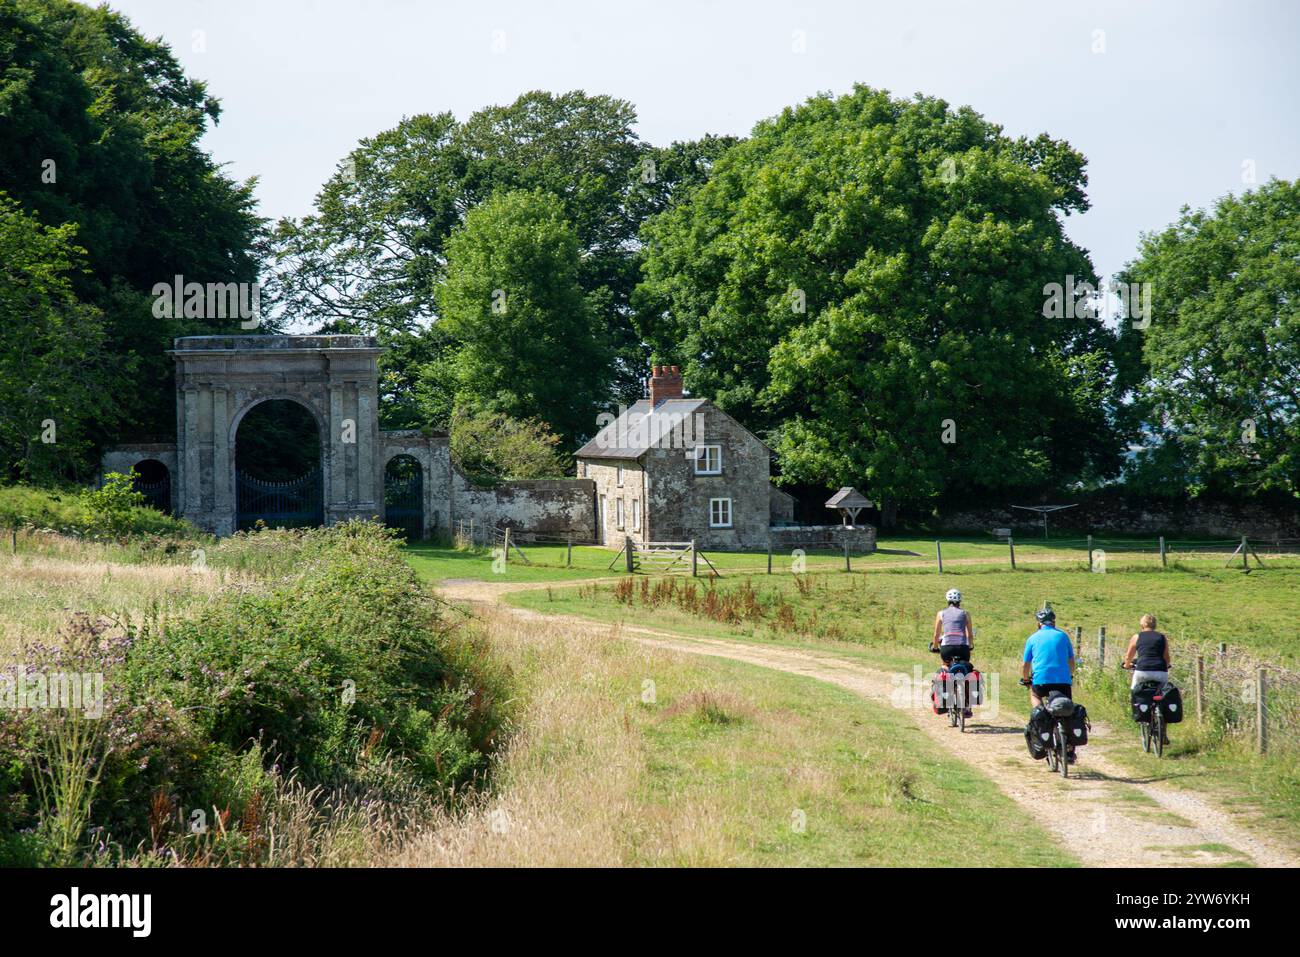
(555, 507)
(608, 493)
(679, 497)
(780, 509)
(1108, 514)
(861, 538)
(123, 458)
(433, 452)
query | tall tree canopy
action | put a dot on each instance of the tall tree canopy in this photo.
(1222, 349)
(864, 280)
(100, 127)
(52, 371)
(373, 255)
(523, 337)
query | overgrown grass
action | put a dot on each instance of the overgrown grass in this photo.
(330, 680)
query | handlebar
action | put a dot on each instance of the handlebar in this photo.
(1026, 682)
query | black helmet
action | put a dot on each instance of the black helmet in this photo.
(1045, 615)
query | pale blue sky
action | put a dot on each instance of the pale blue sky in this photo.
(1183, 94)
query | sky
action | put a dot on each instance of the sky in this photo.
(1173, 103)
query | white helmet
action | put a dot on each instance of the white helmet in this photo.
(954, 595)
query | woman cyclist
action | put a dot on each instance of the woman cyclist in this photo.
(953, 635)
(1148, 654)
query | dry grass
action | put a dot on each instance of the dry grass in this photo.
(38, 594)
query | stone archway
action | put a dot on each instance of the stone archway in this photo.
(279, 468)
(404, 495)
(153, 479)
(219, 379)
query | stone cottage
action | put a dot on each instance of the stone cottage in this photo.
(676, 469)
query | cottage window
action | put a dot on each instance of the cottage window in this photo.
(636, 515)
(708, 460)
(618, 514)
(620, 476)
(720, 513)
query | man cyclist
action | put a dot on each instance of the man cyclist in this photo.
(954, 636)
(1048, 660)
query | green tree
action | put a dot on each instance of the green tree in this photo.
(1222, 348)
(490, 447)
(100, 127)
(52, 369)
(864, 281)
(525, 340)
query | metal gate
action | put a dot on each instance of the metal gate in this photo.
(156, 494)
(404, 497)
(291, 504)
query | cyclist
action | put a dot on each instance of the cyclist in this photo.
(1148, 654)
(954, 637)
(1048, 660)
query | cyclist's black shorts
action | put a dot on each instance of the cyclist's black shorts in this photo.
(1042, 691)
(950, 653)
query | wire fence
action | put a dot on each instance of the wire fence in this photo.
(1228, 692)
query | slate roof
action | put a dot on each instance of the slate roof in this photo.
(633, 433)
(848, 497)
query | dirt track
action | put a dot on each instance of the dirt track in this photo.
(1103, 814)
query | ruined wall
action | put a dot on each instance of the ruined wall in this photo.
(553, 506)
(123, 458)
(679, 498)
(780, 506)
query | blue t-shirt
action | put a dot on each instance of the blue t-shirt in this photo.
(1050, 652)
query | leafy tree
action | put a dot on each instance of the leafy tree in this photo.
(373, 255)
(52, 370)
(1222, 348)
(100, 127)
(863, 270)
(525, 340)
(491, 447)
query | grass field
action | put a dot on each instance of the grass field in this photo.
(884, 618)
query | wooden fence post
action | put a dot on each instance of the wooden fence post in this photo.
(1011, 544)
(1200, 689)
(1089, 553)
(1261, 713)
(1245, 555)
(627, 550)
(1101, 648)
(1164, 560)
(769, 556)
(13, 540)
(847, 567)
(472, 543)
(694, 566)
(1078, 639)
(505, 547)
(568, 551)
(938, 551)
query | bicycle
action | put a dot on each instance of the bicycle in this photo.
(1155, 731)
(1060, 753)
(957, 707)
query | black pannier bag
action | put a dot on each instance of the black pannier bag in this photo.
(1143, 700)
(1040, 724)
(1171, 704)
(1058, 705)
(1076, 725)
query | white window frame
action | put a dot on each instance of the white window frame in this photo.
(618, 474)
(618, 513)
(636, 515)
(702, 459)
(714, 502)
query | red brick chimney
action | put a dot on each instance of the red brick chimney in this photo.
(665, 383)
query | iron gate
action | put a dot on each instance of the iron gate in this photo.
(404, 497)
(290, 504)
(156, 494)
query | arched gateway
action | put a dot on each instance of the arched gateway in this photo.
(220, 380)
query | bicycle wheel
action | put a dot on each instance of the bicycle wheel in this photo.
(1051, 755)
(1145, 727)
(1063, 743)
(1158, 731)
(960, 699)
